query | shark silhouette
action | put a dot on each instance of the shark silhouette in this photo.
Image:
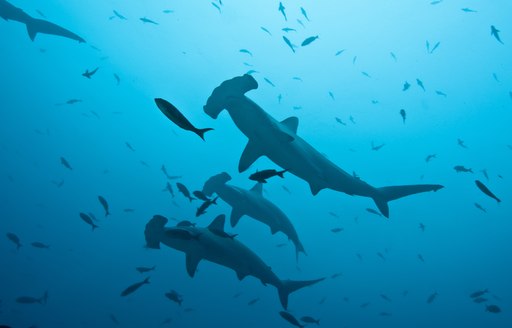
(280, 143)
(34, 25)
(213, 244)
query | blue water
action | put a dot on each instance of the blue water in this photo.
(182, 59)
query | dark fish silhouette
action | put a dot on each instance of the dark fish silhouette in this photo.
(168, 187)
(461, 143)
(34, 26)
(406, 86)
(430, 157)
(266, 30)
(289, 43)
(336, 230)
(129, 146)
(104, 203)
(432, 298)
(118, 79)
(420, 84)
(460, 168)
(308, 319)
(303, 11)
(200, 195)
(145, 269)
(64, 162)
(134, 287)
(33, 300)
(378, 147)
(403, 114)
(87, 219)
(177, 117)
(492, 309)
(204, 206)
(371, 210)
(478, 293)
(253, 301)
(496, 34)
(184, 191)
(114, 319)
(468, 10)
(38, 244)
(14, 239)
(288, 29)
(118, 15)
(147, 20)
(385, 297)
(486, 190)
(262, 176)
(88, 74)
(480, 207)
(422, 227)
(245, 51)
(281, 9)
(175, 297)
(290, 318)
(420, 257)
(309, 40)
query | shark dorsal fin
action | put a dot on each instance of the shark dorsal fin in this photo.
(258, 188)
(192, 263)
(249, 156)
(292, 123)
(218, 223)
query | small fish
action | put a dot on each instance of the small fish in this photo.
(385, 297)
(147, 20)
(104, 203)
(495, 33)
(479, 293)
(430, 157)
(378, 147)
(262, 176)
(129, 146)
(269, 82)
(393, 56)
(204, 206)
(168, 11)
(420, 257)
(435, 47)
(216, 6)
(366, 74)
(184, 191)
(461, 143)
(200, 195)
(495, 76)
(177, 117)
(281, 9)
(289, 43)
(265, 30)
(308, 319)
(31, 300)
(340, 121)
(436, 2)
(290, 318)
(486, 190)
(38, 244)
(336, 275)
(87, 219)
(253, 301)
(385, 314)
(288, 29)
(334, 215)
(143, 269)
(14, 239)
(331, 95)
(114, 319)
(336, 230)
(420, 84)
(364, 305)
(175, 297)
(403, 114)
(492, 309)
(88, 74)
(480, 207)
(406, 86)
(372, 211)
(379, 254)
(484, 172)
(65, 163)
(460, 168)
(339, 52)
(300, 22)
(432, 298)
(309, 40)
(118, 15)
(168, 188)
(134, 287)
(354, 60)
(245, 51)
(440, 93)
(296, 78)
(128, 210)
(303, 12)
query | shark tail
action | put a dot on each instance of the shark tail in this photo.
(201, 132)
(154, 231)
(289, 286)
(387, 194)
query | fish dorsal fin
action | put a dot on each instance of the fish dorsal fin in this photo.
(258, 188)
(218, 223)
(192, 263)
(292, 123)
(250, 154)
(235, 216)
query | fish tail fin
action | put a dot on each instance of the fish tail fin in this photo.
(201, 132)
(289, 286)
(154, 231)
(387, 194)
(281, 173)
(146, 281)
(94, 226)
(18, 246)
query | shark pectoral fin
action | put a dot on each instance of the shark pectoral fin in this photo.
(240, 275)
(31, 29)
(315, 189)
(218, 223)
(250, 154)
(258, 188)
(235, 217)
(192, 263)
(292, 123)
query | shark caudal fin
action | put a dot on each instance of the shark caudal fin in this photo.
(236, 87)
(214, 183)
(289, 286)
(201, 132)
(387, 194)
(35, 26)
(154, 231)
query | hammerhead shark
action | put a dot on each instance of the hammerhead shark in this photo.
(252, 203)
(213, 244)
(280, 143)
(34, 25)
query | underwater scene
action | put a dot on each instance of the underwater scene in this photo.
(222, 163)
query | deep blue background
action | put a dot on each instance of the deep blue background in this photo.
(191, 51)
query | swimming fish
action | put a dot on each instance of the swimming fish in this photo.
(339, 52)
(269, 82)
(281, 9)
(378, 147)
(479, 293)
(420, 84)
(33, 300)
(134, 287)
(147, 20)
(403, 114)
(88, 74)
(265, 30)
(461, 143)
(289, 43)
(262, 176)
(177, 117)
(303, 11)
(38, 244)
(253, 301)
(175, 297)
(432, 298)
(288, 29)
(168, 188)
(440, 93)
(87, 219)
(460, 168)
(492, 309)
(143, 269)
(309, 40)
(245, 51)
(184, 191)
(118, 15)
(65, 163)
(422, 227)
(204, 206)
(14, 239)
(480, 207)
(495, 33)
(336, 230)
(407, 85)
(486, 190)
(104, 203)
(371, 210)
(200, 195)
(290, 318)
(216, 6)
(430, 157)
